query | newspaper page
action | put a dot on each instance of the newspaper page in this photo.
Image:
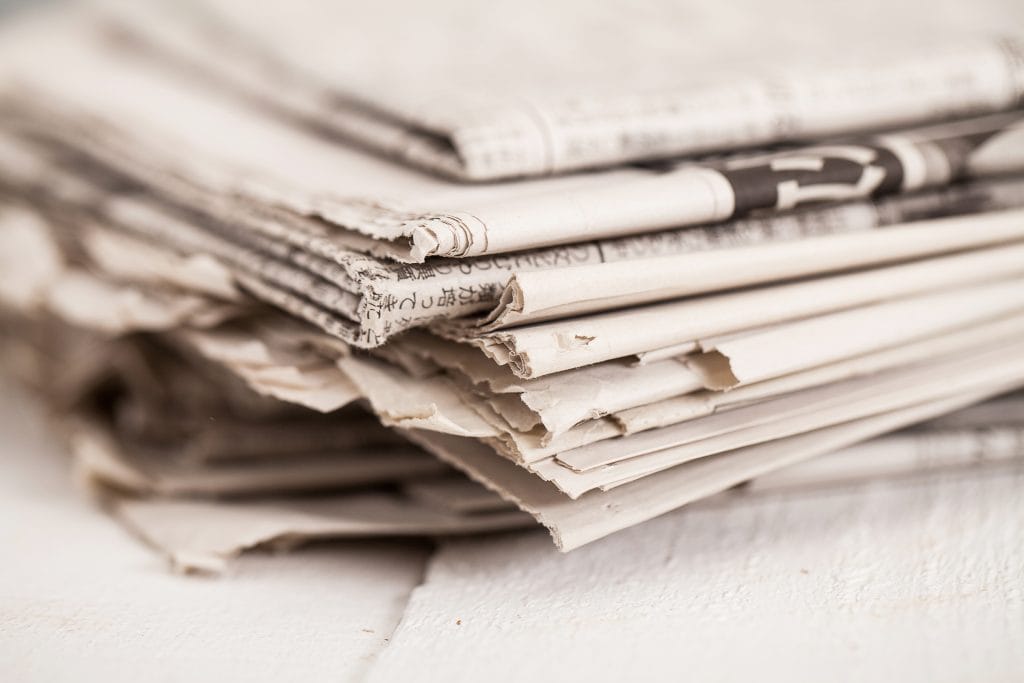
(464, 100)
(544, 348)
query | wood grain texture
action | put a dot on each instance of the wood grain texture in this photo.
(916, 580)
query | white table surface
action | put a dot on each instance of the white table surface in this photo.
(916, 580)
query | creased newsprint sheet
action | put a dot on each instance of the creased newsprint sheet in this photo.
(203, 468)
(537, 295)
(785, 349)
(141, 141)
(702, 403)
(544, 348)
(531, 420)
(157, 121)
(574, 523)
(366, 300)
(202, 536)
(170, 524)
(533, 87)
(609, 463)
(142, 468)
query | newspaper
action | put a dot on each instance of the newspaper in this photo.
(569, 409)
(392, 298)
(36, 274)
(544, 348)
(728, 81)
(200, 536)
(574, 523)
(531, 296)
(642, 454)
(962, 378)
(822, 348)
(149, 470)
(216, 293)
(309, 266)
(203, 504)
(700, 404)
(560, 401)
(287, 368)
(785, 349)
(455, 493)
(437, 404)
(911, 452)
(248, 516)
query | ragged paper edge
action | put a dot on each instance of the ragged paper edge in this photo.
(545, 348)
(262, 361)
(401, 401)
(904, 385)
(102, 461)
(204, 544)
(41, 279)
(820, 340)
(459, 224)
(573, 524)
(782, 417)
(341, 329)
(555, 403)
(129, 258)
(194, 545)
(678, 409)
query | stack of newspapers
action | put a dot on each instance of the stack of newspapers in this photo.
(288, 271)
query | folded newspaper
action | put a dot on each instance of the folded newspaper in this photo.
(242, 264)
